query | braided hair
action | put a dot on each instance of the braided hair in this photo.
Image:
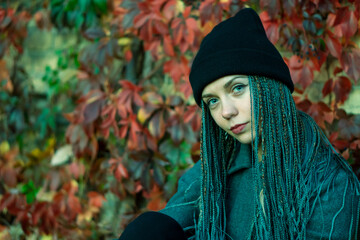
(288, 147)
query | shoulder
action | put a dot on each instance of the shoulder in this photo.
(334, 200)
(191, 175)
(183, 206)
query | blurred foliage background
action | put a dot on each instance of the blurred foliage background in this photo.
(97, 120)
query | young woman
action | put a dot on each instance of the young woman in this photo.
(267, 171)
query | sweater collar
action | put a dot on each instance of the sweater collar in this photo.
(243, 159)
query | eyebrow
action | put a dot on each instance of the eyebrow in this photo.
(225, 86)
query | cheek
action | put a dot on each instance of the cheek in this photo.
(218, 119)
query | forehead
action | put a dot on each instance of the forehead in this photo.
(221, 82)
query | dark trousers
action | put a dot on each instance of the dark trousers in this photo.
(153, 226)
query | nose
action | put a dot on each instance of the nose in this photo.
(229, 110)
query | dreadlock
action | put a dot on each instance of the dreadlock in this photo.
(287, 148)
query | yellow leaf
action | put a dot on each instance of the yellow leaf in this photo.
(4, 147)
(124, 41)
(36, 153)
(142, 116)
(46, 237)
(180, 6)
(51, 143)
(86, 216)
(45, 196)
(74, 184)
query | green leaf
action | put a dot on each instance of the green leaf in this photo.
(30, 191)
(84, 5)
(101, 5)
(79, 22)
(177, 154)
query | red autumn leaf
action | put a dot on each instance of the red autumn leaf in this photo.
(337, 70)
(272, 6)
(178, 29)
(192, 117)
(9, 175)
(328, 87)
(7, 200)
(191, 28)
(169, 9)
(187, 12)
(40, 210)
(108, 112)
(129, 96)
(289, 6)
(140, 20)
(342, 88)
(345, 23)
(346, 154)
(205, 10)
(118, 169)
(77, 169)
(271, 27)
(134, 132)
(339, 144)
(185, 88)
(96, 199)
(74, 206)
(146, 32)
(350, 62)
(168, 47)
(300, 71)
(157, 125)
(318, 111)
(333, 44)
(70, 188)
(122, 171)
(156, 201)
(92, 111)
(177, 69)
(128, 55)
(355, 144)
(160, 27)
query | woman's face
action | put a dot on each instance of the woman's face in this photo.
(228, 99)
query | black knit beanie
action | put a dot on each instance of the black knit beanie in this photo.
(238, 45)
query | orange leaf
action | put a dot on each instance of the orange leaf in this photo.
(121, 172)
(95, 199)
(168, 47)
(74, 205)
(187, 12)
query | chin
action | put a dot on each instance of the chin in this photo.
(244, 138)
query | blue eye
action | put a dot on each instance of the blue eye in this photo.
(238, 88)
(211, 101)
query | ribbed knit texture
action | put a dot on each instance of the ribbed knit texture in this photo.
(238, 45)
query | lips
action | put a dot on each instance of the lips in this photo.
(238, 128)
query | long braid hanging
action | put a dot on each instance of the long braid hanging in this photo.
(283, 184)
(216, 148)
(275, 170)
(284, 172)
